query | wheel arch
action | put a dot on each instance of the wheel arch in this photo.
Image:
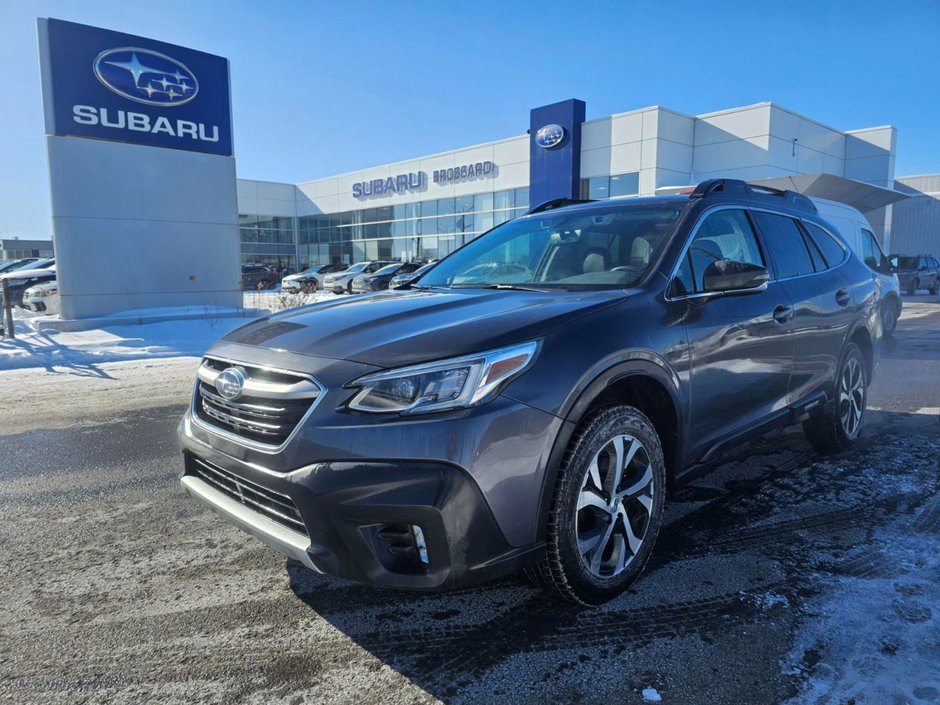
(646, 385)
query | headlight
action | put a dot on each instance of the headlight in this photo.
(439, 386)
(48, 292)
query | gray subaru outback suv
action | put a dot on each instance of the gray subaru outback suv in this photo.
(529, 402)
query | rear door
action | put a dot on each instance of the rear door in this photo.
(741, 344)
(823, 308)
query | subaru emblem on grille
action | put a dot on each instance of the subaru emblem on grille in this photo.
(230, 383)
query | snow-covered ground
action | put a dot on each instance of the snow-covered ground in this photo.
(175, 338)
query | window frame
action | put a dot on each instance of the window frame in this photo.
(684, 252)
(799, 230)
(842, 245)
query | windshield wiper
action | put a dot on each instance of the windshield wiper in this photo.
(508, 287)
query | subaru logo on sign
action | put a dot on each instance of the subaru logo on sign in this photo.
(550, 136)
(146, 76)
(230, 383)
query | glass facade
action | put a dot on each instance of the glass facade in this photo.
(268, 239)
(601, 187)
(424, 230)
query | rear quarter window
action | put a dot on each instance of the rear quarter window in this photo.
(832, 250)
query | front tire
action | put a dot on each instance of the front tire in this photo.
(606, 509)
(838, 426)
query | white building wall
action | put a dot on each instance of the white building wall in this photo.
(666, 148)
(334, 194)
(267, 198)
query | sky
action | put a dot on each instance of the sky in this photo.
(320, 88)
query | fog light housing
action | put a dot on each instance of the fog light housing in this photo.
(420, 543)
(401, 548)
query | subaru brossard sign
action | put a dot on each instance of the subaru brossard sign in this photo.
(114, 86)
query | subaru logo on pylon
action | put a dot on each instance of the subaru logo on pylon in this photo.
(146, 76)
(550, 136)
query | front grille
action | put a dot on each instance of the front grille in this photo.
(272, 403)
(276, 507)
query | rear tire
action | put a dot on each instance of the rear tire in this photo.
(889, 317)
(933, 289)
(838, 426)
(603, 523)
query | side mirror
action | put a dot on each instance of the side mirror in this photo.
(729, 276)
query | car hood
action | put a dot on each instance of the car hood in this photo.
(392, 329)
(27, 273)
(44, 286)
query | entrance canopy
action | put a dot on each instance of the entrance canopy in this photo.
(858, 194)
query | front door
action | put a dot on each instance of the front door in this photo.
(741, 345)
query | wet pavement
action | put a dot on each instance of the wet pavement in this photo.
(779, 576)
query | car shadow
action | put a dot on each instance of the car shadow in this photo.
(740, 550)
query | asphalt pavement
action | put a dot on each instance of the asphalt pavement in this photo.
(781, 576)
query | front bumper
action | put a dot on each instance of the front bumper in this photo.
(471, 479)
(358, 517)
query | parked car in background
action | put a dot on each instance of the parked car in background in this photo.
(379, 281)
(258, 276)
(311, 279)
(918, 272)
(42, 298)
(402, 279)
(19, 280)
(341, 282)
(858, 233)
(16, 264)
(536, 414)
(40, 264)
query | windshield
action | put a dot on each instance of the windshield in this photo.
(358, 267)
(389, 269)
(598, 248)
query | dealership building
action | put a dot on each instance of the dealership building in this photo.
(142, 172)
(428, 206)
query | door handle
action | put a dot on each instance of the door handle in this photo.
(782, 313)
(842, 297)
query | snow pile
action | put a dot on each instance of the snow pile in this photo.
(52, 349)
(651, 695)
(873, 632)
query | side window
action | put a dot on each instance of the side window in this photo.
(871, 250)
(725, 234)
(783, 238)
(819, 264)
(683, 283)
(831, 250)
(934, 263)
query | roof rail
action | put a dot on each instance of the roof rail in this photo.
(791, 199)
(557, 203)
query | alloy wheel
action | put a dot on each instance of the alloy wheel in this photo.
(614, 506)
(851, 396)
